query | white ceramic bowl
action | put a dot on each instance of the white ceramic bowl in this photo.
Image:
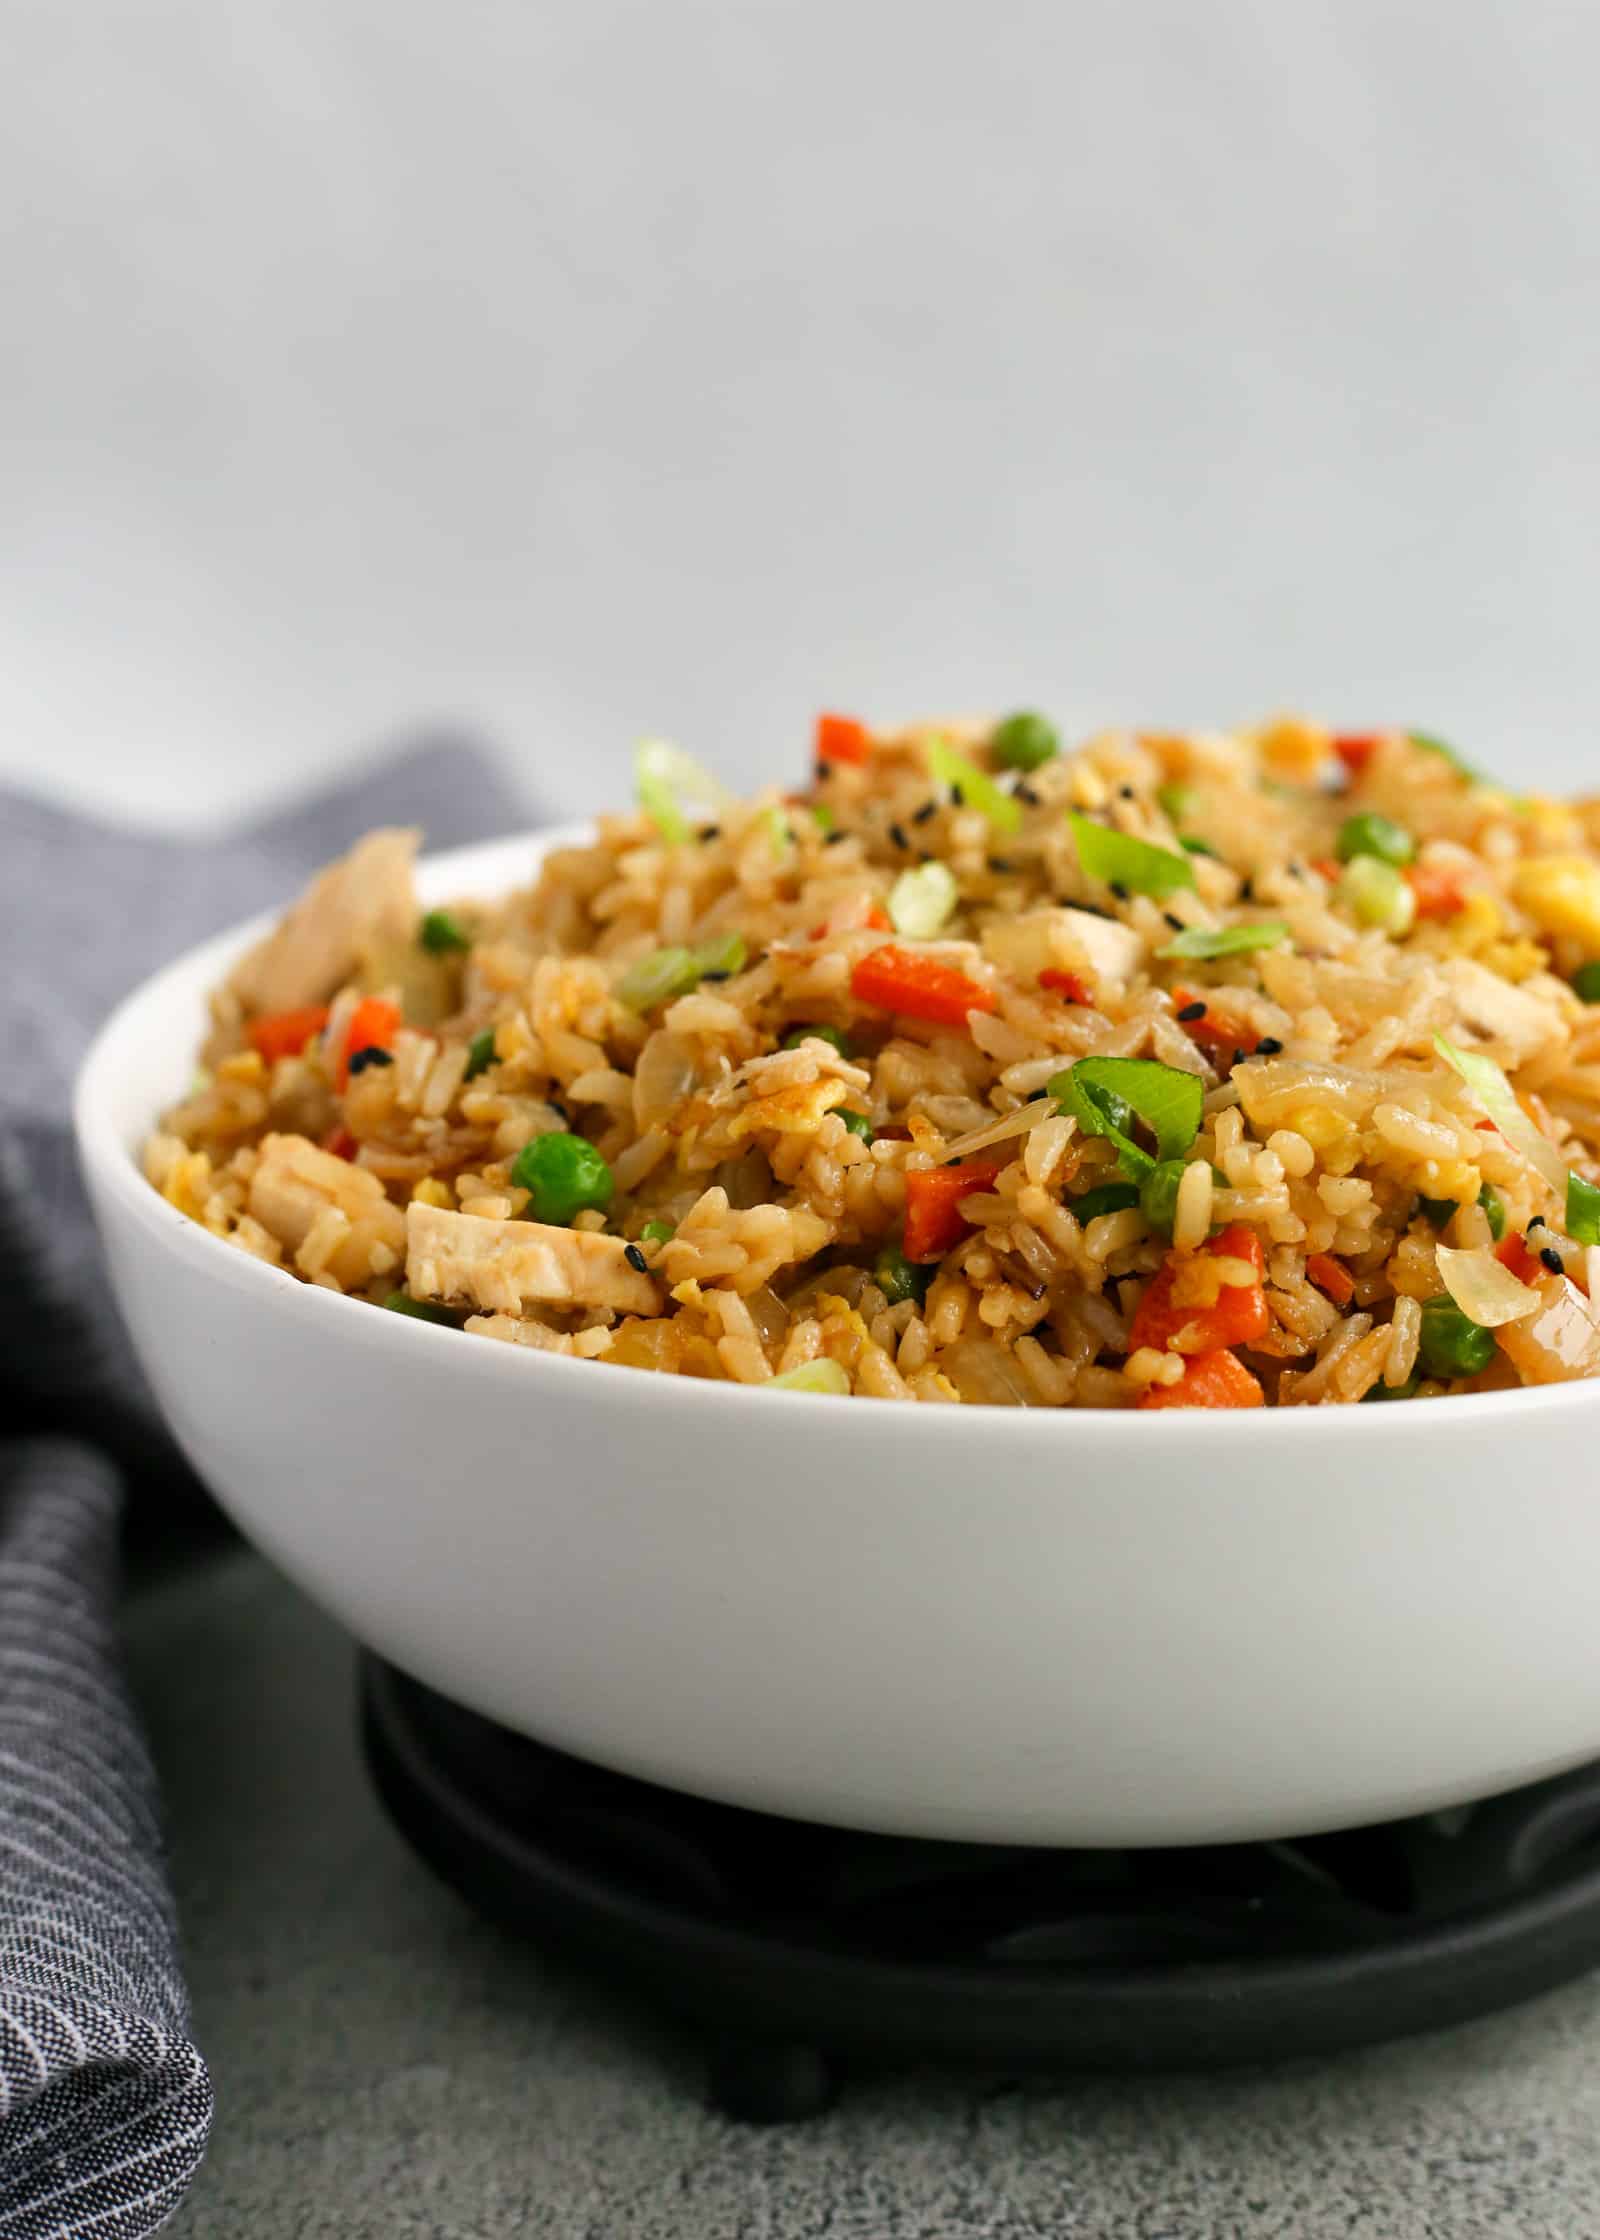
(980, 1623)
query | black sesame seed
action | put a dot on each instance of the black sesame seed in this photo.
(1173, 920)
(1553, 1260)
(897, 833)
(560, 1111)
(372, 1055)
(824, 771)
(1091, 909)
(1239, 1057)
(928, 809)
(1536, 1223)
(832, 839)
(1268, 1046)
(1119, 890)
(1026, 793)
(1191, 1012)
(636, 1259)
(715, 976)
(1294, 868)
(1000, 865)
(711, 832)
(1127, 793)
(1247, 893)
(958, 799)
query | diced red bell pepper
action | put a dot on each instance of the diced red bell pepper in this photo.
(1210, 1380)
(842, 739)
(918, 987)
(1513, 1252)
(1067, 984)
(284, 1034)
(1238, 1317)
(1331, 1276)
(1330, 867)
(934, 1220)
(1217, 1033)
(374, 1023)
(340, 1142)
(1355, 750)
(1438, 889)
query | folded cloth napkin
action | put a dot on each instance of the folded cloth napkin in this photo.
(105, 2103)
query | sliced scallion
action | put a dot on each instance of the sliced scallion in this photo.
(1583, 1211)
(1106, 1095)
(1122, 861)
(670, 784)
(921, 901)
(821, 1375)
(978, 790)
(1226, 941)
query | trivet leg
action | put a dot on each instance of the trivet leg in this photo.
(757, 2080)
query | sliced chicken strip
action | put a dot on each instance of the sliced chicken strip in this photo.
(504, 1266)
(363, 901)
(310, 1200)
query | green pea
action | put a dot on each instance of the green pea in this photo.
(1110, 1197)
(1158, 1194)
(441, 932)
(1494, 1207)
(1586, 982)
(856, 1122)
(1372, 835)
(836, 1035)
(658, 1232)
(1176, 800)
(421, 1310)
(899, 1278)
(480, 1054)
(563, 1175)
(1453, 1345)
(1024, 741)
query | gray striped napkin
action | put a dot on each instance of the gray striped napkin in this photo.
(104, 2099)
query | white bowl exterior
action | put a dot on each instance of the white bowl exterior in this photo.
(981, 1623)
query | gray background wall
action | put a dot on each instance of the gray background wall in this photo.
(590, 366)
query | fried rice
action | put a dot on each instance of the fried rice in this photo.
(1212, 1070)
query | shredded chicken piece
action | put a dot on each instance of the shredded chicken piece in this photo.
(1517, 1021)
(364, 900)
(503, 1266)
(296, 1187)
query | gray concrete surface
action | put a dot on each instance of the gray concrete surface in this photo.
(388, 2066)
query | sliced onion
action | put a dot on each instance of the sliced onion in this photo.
(1498, 1102)
(1487, 1293)
(984, 1370)
(663, 1077)
(1019, 1123)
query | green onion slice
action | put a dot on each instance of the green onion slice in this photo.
(821, 1375)
(1442, 747)
(1497, 1101)
(978, 789)
(1122, 861)
(666, 974)
(1583, 1211)
(921, 901)
(1226, 941)
(669, 784)
(1105, 1095)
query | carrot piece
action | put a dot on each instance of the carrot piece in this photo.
(1356, 750)
(879, 920)
(340, 1142)
(1331, 1276)
(1216, 1032)
(934, 1220)
(1512, 1252)
(1437, 888)
(374, 1023)
(284, 1034)
(1067, 984)
(842, 739)
(918, 987)
(1211, 1380)
(1237, 1317)
(1330, 867)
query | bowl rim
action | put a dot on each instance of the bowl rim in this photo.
(111, 1164)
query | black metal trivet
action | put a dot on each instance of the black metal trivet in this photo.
(792, 1947)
